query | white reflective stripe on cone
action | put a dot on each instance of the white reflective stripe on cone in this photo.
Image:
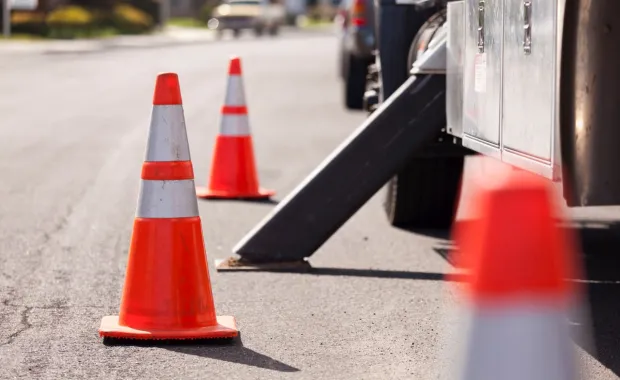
(234, 125)
(167, 199)
(530, 342)
(167, 139)
(235, 96)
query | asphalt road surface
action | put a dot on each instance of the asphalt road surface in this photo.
(72, 137)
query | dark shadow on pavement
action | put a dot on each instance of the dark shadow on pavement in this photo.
(243, 200)
(601, 262)
(229, 350)
(443, 234)
(444, 247)
(445, 251)
(370, 273)
(377, 273)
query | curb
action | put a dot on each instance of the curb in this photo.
(176, 36)
(185, 37)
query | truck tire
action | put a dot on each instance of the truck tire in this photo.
(424, 193)
(355, 83)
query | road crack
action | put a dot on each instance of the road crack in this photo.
(61, 224)
(57, 227)
(10, 296)
(25, 325)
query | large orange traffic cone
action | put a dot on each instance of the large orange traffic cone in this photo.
(233, 170)
(518, 299)
(167, 292)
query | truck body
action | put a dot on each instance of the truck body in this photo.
(529, 82)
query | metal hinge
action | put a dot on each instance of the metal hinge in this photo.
(527, 26)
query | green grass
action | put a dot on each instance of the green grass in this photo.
(187, 22)
(307, 22)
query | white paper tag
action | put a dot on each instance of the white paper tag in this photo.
(480, 72)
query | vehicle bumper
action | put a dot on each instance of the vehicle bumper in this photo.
(221, 23)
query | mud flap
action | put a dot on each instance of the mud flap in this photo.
(409, 119)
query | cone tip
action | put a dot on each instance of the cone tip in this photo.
(167, 90)
(234, 67)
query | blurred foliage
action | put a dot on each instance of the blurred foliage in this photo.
(128, 19)
(187, 22)
(317, 12)
(150, 7)
(207, 9)
(70, 16)
(94, 18)
(79, 21)
(23, 22)
(71, 21)
(104, 6)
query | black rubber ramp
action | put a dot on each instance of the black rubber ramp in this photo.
(410, 118)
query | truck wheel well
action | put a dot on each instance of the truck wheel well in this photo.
(425, 35)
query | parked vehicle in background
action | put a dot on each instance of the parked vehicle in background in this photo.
(355, 21)
(259, 15)
(294, 9)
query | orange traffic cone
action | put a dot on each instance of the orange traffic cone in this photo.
(233, 170)
(167, 292)
(517, 298)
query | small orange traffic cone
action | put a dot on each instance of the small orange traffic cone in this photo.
(167, 292)
(517, 298)
(233, 170)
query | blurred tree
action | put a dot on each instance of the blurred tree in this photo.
(151, 7)
(205, 8)
(100, 5)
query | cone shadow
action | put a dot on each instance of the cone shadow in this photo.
(229, 350)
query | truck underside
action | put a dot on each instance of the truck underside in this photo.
(420, 127)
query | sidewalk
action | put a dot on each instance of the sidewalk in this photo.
(172, 35)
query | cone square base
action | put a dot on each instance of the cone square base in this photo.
(206, 193)
(226, 328)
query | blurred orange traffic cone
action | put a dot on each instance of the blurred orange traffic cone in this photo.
(518, 299)
(480, 172)
(233, 170)
(167, 292)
